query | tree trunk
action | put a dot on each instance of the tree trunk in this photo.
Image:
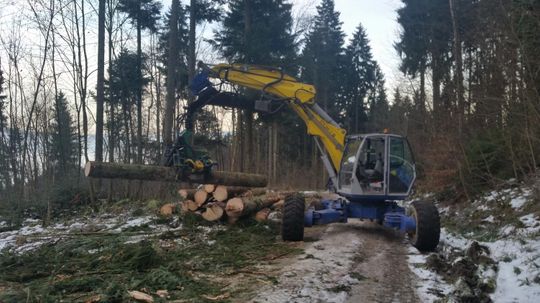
(240, 207)
(172, 61)
(191, 44)
(100, 89)
(459, 65)
(139, 95)
(163, 173)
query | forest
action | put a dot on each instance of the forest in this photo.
(108, 80)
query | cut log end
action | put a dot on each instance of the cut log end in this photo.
(221, 193)
(234, 207)
(183, 193)
(200, 197)
(262, 215)
(209, 188)
(191, 205)
(213, 213)
(167, 209)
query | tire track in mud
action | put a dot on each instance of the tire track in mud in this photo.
(353, 262)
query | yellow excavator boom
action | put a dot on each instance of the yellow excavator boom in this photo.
(300, 97)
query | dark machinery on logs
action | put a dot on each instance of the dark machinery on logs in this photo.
(370, 172)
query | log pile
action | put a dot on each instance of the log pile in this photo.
(228, 203)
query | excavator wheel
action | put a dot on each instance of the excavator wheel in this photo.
(292, 226)
(428, 226)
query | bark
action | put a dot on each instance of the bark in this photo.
(240, 207)
(171, 75)
(163, 173)
(191, 45)
(459, 65)
(100, 90)
(139, 94)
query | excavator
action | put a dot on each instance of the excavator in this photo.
(373, 174)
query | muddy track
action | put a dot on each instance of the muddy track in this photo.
(353, 262)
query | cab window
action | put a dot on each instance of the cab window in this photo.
(371, 166)
(347, 164)
(401, 170)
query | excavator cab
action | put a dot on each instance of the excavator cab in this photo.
(376, 167)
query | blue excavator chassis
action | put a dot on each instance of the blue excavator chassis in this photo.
(388, 213)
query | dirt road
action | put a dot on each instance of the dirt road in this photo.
(353, 262)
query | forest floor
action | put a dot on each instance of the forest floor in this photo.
(489, 251)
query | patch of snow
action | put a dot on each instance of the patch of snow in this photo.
(453, 240)
(3, 224)
(430, 286)
(319, 275)
(518, 202)
(482, 207)
(489, 219)
(133, 222)
(492, 196)
(508, 230)
(518, 269)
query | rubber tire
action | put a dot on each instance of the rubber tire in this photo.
(428, 226)
(292, 225)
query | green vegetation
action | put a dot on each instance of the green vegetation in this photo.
(188, 263)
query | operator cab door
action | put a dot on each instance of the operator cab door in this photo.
(363, 171)
(401, 168)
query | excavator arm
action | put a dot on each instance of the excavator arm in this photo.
(278, 87)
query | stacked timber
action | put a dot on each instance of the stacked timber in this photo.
(230, 203)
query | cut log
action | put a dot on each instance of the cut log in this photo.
(141, 296)
(279, 204)
(213, 212)
(221, 193)
(163, 173)
(200, 197)
(167, 209)
(190, 205)
(262, 215)
(239, 207)
(254, 192)
(209, 188)
(187, 193)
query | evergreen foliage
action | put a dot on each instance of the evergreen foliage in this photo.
(359, 82)
(323, 56)
(266, 40)
(63, 145)
(143, 13)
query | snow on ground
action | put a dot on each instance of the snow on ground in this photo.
(32, 234)
(321, 273)
(429, 286)
(515, 249)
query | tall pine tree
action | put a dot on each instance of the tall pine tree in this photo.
(323, 56)
(63, 142)
(257, 32)
(359, 68)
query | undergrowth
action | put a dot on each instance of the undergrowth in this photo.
(80, 267)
